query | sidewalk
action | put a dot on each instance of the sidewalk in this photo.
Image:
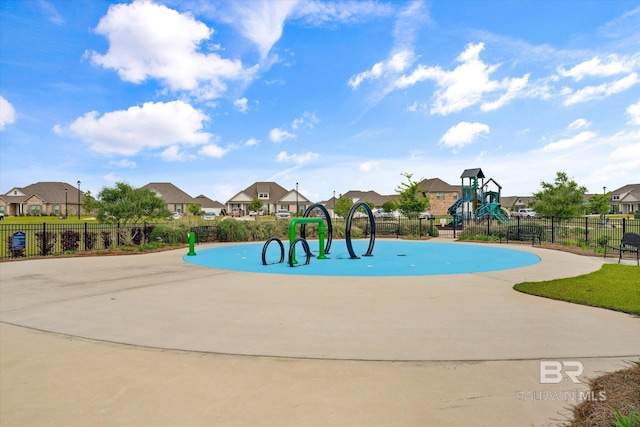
(432, 350)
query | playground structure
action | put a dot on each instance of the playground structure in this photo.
(477, 202)
(323, 230)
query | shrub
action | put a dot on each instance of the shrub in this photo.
(106, 239)
(46, 241)
(90, 238)
(232, 230)
(69, 239)
(172, 234)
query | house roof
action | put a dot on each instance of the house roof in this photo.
(206, 202)
(628, 193)
(436, 184)
(368, 196)
(511, 201)
(48, 192)
(274, 190)
(170, 193)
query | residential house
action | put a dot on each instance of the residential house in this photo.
(176, 200)
(369, 197)
(43, 198)
(626, 199)
(514, 203)
(210, 206)
(441, 195)
(273, 197)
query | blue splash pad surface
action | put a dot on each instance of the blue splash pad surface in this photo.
(390, 258)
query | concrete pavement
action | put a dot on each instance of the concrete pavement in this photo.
(432, 350)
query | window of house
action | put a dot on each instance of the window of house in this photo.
(34, 209)
(615, 197)
(263, 196)
(284, 207)
(56, 209)
(2, 209)
(440, 195)
(454, 195)
(179, 207)
(15, 192)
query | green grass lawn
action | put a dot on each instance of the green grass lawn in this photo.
(614, 286)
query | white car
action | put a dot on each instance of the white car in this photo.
(176, 215)
(209, 216)
(424, 215)
(527, 213)
(283, 214)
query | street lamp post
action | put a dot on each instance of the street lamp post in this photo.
(297, 209)
(334, 204)
(604, 190)
(66, 204)
(78, 199)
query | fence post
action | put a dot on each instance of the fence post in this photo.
(624, 225)
(553, 230)
(518, 225)
(420, 227)
(85, 236)
(586, 229)
(118, 235)
(44, 239)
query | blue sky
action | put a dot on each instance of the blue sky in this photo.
(336, 96)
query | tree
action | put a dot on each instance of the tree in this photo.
(89, 203)
(562, 199)
(411, 202)
(256, 205)
(599, 203)
(343, 206)
(194, 208)
(389, 206)
(129, 206)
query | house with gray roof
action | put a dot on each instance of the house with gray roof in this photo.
(210, 206)
(176, 200)
(42, 198)
(626, 199)
(441, 194)
(273, 197)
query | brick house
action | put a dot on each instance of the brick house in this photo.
(441, 195)
(42, 198)
(176, 200)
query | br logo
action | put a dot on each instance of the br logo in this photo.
(552, 371)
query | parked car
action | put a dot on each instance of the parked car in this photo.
(425, 215)
(283, 214)
(527, 213)
(209, 216)
(176, 215)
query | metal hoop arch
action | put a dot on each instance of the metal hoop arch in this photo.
(264, 251)
(329, 224)
(347, 232)
(305, 246)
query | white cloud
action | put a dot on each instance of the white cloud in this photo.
(174, 154)
(309, 120)
(154, 125)
(241, 105)
(563, 144)
(465, 85)
(634, 112)
(595, 67)
(462, 134)
(299, 159)
(213, 150)
(111, 177)
(579, 124)
(51, 12)
(147, 40)
(515, 88)
(261, 21)
(7, 113)
(368, 166)
(278, 135)
(124, 163)
(397, 63)
(251, 142)
(589, 93)
(316, 12)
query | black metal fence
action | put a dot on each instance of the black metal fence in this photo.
(31, 240)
